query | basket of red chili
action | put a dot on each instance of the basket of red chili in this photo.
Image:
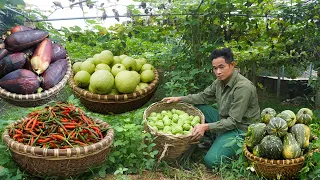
(59, 140)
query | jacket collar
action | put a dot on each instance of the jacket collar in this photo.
(231, 81)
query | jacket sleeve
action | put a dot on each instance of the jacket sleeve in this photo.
(205, 97)
(238, 107)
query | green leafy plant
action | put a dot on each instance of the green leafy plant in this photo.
(132, 149)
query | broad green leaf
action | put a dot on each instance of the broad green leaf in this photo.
(239, 151)
(229, 144)
(112, 159)
(119, 129)
(102, 172)
(97, 27)
(91, 21)
(75, 28)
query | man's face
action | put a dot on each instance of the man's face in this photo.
(222, 69)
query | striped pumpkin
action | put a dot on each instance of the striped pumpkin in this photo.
(277, 126)
(255, 133)
(288, 116)
(267, 114)
(304, 116)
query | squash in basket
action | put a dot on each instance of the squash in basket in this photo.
(271, 147)
(255, 133)
(267, 114)
(304, 116)
(288, 116)
(257, 150)
(277, 126)
(291, 148)
(302, 134)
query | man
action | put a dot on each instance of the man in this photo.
(237, 100)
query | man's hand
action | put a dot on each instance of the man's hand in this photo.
(172, 99)
(198, 131)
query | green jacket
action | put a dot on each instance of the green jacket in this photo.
(237, 102)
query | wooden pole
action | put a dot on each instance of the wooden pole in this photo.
(254, 73)
(279, 83)
(310, 71)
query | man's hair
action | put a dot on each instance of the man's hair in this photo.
(226, 53)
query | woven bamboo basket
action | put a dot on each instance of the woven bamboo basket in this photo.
(170, 146)
(105, 104)
(276, 169)
(36, 99)
(45, 162)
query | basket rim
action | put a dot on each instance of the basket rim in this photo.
(76, 152)
(83, 93)
(279, 162)
(38, 96)
(151, 130)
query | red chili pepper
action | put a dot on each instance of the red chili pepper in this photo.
(31, 132)
(55, 136)
(70, 126)
(97, 130)
(66, 111)
(81, 143)
(18, 131)
(44, 140)
(31, 141)
(34, 124)
(28, 124)
(72, 134)
(84, 131)
(16, 136)
(53, 145)
(64, 120)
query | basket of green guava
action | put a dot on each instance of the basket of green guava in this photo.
(171, 124)
(113, 84)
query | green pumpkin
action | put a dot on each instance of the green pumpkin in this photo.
(304, 116)
(288, 116)
(271, 147)
(277, 126)
(267, 114)
(255, 133)
(256, 150)
(302, 134)
(291, 148)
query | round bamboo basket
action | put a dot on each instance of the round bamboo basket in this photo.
(170, 146)
(36, 99)
(106, 104)
(276, 169)
(45, 162)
